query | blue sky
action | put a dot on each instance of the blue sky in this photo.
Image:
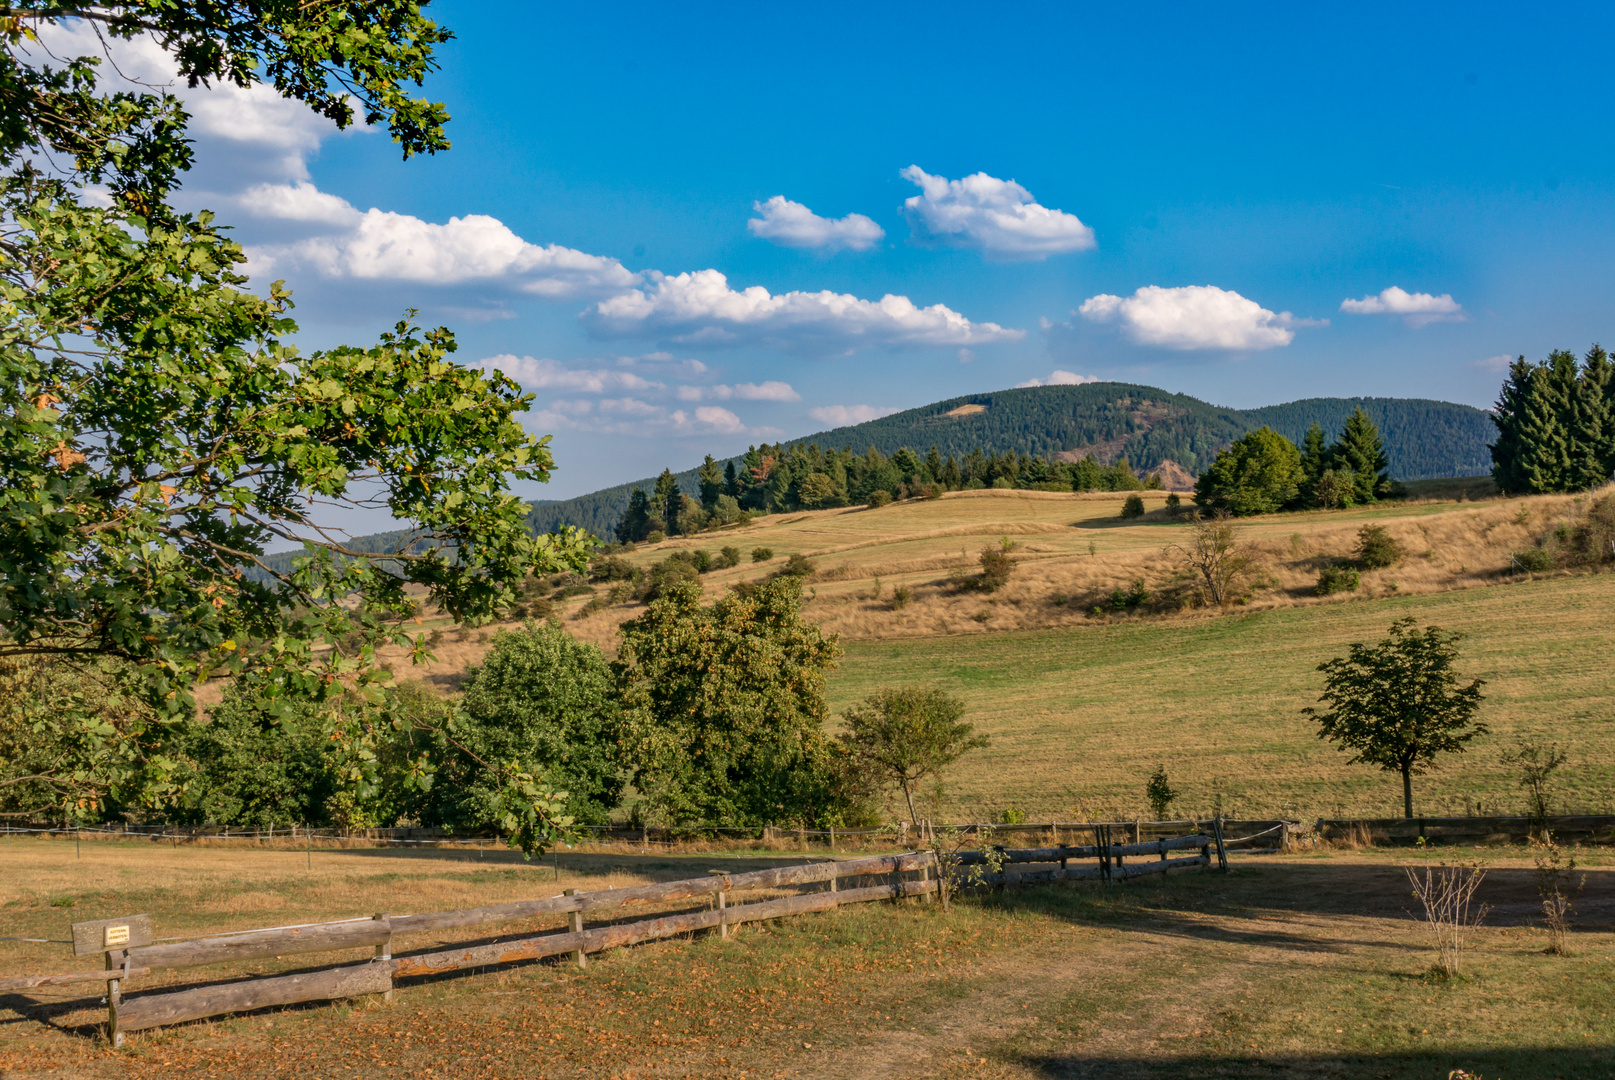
(1248, 204)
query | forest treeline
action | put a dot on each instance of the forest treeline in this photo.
(1556, 424)
(780, 479)
(1423, 439)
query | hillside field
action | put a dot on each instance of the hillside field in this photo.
(1081, 708)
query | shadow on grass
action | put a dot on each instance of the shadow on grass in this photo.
(1556, 1062)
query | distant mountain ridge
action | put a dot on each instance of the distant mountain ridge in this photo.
(1424, 439)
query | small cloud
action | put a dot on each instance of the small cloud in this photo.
(846, 415)
(1194, 317)
(966, 356)
(708, 418)
(1419, 309)
(1498, 363)
(998, 217)
(764, 391)
(1059, 378)
(545, 374)
(794, 225)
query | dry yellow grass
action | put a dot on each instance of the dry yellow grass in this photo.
(1074, 548)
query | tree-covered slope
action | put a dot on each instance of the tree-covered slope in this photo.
(1146, 425)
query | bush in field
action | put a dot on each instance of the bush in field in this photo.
(879, 498)
(1133, 507)
(1534, 560)
(1160, 793)
(1377, 549)
(661, 575)
(730, 557)
(1340, 577)
(761, 554)
(996, 566)
(900, 597)
(799, 566)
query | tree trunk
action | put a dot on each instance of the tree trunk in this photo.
(1407, 791)
(908, 795)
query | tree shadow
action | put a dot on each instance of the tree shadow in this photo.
(1565, 1063)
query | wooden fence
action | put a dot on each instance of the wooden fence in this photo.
(1579, 828)
(130, 952)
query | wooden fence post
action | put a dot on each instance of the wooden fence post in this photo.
(384, 951)
(574, 923)
(1222, 852)
(116, 958)
(832, 842)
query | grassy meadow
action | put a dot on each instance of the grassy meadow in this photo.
(1079, 717)
(1300, 965)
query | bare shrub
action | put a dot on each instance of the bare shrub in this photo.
(1536, 763)
(1555, 872)
(1448, 894)
(1214, 560)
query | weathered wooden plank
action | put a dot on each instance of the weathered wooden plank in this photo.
(1129, 870)
(30, 982)
(104, 934)
(154, 1010)
(256, 944)
(661, 893)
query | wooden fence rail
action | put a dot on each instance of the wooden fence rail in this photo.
(133, 957)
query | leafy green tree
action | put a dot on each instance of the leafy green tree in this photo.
(1259, 474)
(1360, 452)
(541, 703)
(711, 480)
(156, 432)
(905, 734)
(815, 491)
(1397, 704)
(250, 766)
(725, 706)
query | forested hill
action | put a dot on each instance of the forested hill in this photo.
(1423, 439)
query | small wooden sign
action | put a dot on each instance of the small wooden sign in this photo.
(104, 935)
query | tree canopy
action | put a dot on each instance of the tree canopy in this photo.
(1555, 424)
(1397, 703)
(157, 434)
(905, 734)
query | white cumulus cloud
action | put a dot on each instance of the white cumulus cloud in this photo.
(708, 418)
(998, 217)
(772, 390)
(1193, 317)
(794, 225)
(1058, 377)
(546, 374)
(1419, 309)
(382, 245)
(701, 308)
(845, 415)
(1498, 363)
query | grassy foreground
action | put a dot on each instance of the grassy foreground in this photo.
(1080, 717)
(1288, 966)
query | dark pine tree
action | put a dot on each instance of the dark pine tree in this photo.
(668, 500)
(1314, 460)
(635, 521)
(1592, 424)
(711, 481)
(1361, 453)
(1544, 461)
(731, 482)
(1509, 416)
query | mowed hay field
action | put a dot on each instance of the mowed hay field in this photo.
(1305, 965)
(1071, 551)
(1080, 717)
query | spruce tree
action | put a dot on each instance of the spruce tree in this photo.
(1592, 422)
(1314, 461)
(1509, 417)
(668, 500)
(635, 523)
(731, 482)
(1544, 461)
(1361, 452)
(933, 463)
(711, 481)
